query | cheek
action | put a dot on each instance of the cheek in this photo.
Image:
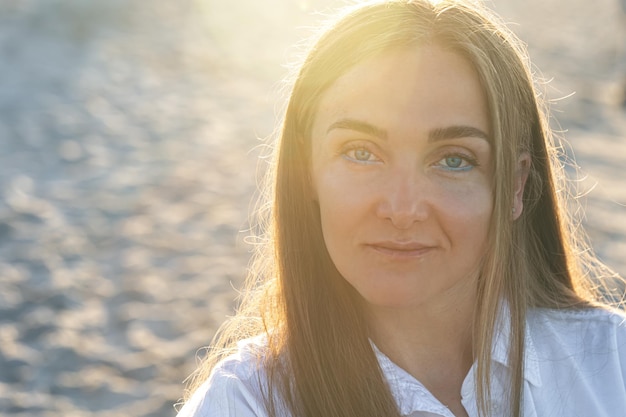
(465, 210)
(338, 201)
(333, 185)
(473, 230)
(345, 208)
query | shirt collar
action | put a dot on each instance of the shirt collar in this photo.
(500, 347)
(411, 395)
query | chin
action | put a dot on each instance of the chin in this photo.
(392, 300)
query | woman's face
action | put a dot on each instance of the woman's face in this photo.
(402, 171)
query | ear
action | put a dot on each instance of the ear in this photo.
(521, 175)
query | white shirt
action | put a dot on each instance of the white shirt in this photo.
(575, 366)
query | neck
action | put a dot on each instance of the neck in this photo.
(408, 341)
(432, 342)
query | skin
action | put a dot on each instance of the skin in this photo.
(402, 171)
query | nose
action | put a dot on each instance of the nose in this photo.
(404, 198)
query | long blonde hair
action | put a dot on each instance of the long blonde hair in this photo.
(319, 361)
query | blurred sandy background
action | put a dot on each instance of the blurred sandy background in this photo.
(129, 144)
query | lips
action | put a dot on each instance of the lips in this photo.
(400, 249)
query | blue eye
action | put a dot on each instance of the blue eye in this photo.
(454, 161)
(457, 162)
(360, 155)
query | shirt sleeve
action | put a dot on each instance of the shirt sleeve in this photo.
(224, 394)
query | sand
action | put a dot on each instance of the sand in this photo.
(130, 134)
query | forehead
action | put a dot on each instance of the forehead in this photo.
(420, 87)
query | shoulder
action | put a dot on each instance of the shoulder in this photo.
(589, 343)
(584, 324)
(583, 330)
(235, 387)
(578, 358)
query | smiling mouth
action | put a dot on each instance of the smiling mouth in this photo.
(400, 250)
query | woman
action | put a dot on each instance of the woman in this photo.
(420, 260)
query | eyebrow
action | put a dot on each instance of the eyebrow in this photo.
(359, 126)
(457, 132)
(437, 134)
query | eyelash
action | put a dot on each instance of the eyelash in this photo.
(470, 161)
(358, 147)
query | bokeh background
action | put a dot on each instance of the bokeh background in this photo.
(130, 136)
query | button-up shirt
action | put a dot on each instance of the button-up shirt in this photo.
(575, 365)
